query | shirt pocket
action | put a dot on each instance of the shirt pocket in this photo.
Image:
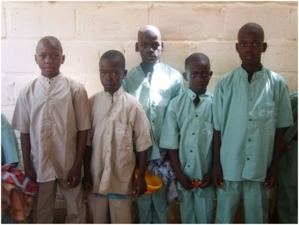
(123, 136)
(266, 115)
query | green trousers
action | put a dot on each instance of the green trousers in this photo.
(153, 208)
(195, 209)
(255, 199)
(287, 189)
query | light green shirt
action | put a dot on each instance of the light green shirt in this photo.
(166, 83)
(247, 114)
(291, 131)
(189, 129)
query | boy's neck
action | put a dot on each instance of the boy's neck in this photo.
(251, 69)
(201, 92)
(148, 67)
(51, 76)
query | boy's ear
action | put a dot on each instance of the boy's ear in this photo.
(136, 47)
(237, 47)
(35, 58)
(63, 58)
(264, 46)
(125, 74)
(185, 76)
(211, 73)
(162, 46)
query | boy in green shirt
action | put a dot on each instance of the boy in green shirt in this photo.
(250, 109)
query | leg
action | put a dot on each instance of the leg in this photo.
(161, 205)
(256, 202)
(144, 208)
(287, 199)
(75, 204)
(120, 210)
(228, 198)
(203, 209)
(187, 207)
(98, 208)
(43, 202)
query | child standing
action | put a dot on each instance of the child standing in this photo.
(250, 109)
(119, 129)
(154, 84)
(53, 117)
(287, 189)
(188, 133)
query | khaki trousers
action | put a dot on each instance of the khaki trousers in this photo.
(44, 201)
(120, 209)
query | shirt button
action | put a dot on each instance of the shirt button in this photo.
(193, 133)
(191, 151)
(153, 121)
(188, 165)
(196, 115)
(249, 139)
(247, 158)
(250, 119)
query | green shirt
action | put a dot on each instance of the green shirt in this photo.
(291, 131)
(166, 83)
(247, 115)
(189, 129)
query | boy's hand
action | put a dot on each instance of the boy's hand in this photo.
(206, 181)
(74, 177)
(284, 146)
(185, 182)
(272, 177)
(140, 187)
(217, 176)
(87, 182)
(29, 172)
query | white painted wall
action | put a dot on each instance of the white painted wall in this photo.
(87, 29)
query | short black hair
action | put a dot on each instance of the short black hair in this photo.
(195, 56)
(50, 40)
(115, 54)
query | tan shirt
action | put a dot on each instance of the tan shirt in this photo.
(52, 110)
(118, 124)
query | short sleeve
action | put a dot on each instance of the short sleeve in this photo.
(284, 109)
(170, 131)
(81, 108)
(21, 117)
(218, 106)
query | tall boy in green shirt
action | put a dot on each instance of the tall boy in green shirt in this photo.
(250, 109)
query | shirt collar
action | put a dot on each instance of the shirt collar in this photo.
(46, 81)
(255, 75)
(116, 94)
(192, 95)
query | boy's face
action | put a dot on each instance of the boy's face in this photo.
(198, 74)
(111, 74)
(150, 46)
(49, 58)
(250, 46)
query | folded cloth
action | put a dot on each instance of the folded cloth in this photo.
(17, 192)
(166, 173)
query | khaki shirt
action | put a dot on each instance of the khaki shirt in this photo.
(119, 126)
(52, 111)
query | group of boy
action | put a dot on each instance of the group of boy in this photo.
(140, 114)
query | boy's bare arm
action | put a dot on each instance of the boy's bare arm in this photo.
(175, 163)
(140, 185)
(26, 150)
(217, 176)
(74, 176)
(87, 180)
(272, 173)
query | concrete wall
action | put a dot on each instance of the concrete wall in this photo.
(87, 29)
